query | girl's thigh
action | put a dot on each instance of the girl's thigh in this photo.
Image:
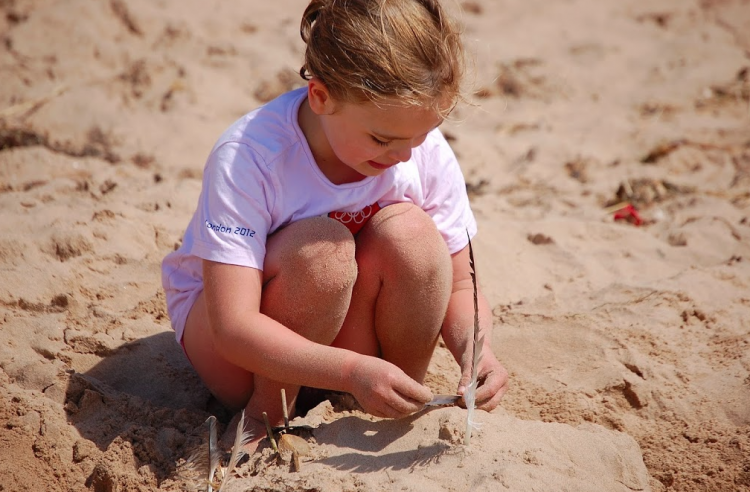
(402, 288)
(230, 384)
(307, 280)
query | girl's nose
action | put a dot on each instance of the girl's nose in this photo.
(402, 155)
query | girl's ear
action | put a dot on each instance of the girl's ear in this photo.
(319, 98)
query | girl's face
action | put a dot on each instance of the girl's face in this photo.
(363, 139)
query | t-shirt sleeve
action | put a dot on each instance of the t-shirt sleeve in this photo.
(233, 216)
(445, 197)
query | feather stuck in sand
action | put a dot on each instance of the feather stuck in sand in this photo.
(199, 470)
(202, 471)
(471, 390)
(240, 440)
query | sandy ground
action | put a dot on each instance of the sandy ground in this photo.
(628, 345)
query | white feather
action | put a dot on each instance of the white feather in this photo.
(478, 343)
(203, 462)
(213, 452)
(241, 438)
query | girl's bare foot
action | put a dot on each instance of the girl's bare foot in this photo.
(255, 429)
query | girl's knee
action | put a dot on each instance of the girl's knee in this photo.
(403, 237)
(403, 221)
(309, 277)
(318, 251)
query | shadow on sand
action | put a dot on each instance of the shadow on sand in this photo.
(368, 440)
(142, 404)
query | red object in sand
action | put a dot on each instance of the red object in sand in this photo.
(629, 213)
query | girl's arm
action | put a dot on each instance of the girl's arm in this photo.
(247, 338)
(458, 334)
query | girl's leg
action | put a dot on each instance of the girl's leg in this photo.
(308, 276)
(402, 289)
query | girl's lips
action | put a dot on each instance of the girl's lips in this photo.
(379, 166)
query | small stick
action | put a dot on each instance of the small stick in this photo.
(616, 207)
(29, 105)
(283, 408)
(269, 431)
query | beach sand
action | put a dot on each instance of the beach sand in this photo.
(628, 341)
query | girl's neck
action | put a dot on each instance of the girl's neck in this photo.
(329, 164)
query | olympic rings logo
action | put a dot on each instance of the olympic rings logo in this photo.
(354, 217)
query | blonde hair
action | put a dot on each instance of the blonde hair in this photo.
(384, 50)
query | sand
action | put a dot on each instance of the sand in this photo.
(628, 343)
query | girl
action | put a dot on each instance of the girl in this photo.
(329, 245)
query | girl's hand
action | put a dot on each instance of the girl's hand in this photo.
(384, 390)
(492, 378)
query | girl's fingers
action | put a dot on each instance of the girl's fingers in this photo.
(493, 402)
(386, 411)
(493, 388)
(463, 384)
(378, 413)
(403, 407)
(412, 391)
(391, 405)
(397, 405)
(406, 405)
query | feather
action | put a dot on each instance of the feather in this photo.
(241, 438)
(201, 466)
(213, 452)
(442, 400)
(471, 390)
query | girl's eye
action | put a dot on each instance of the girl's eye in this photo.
(379, 142)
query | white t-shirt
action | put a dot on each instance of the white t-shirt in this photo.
(261, 176)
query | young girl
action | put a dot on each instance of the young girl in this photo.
(329, 245)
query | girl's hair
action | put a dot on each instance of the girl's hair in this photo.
(384, 50)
